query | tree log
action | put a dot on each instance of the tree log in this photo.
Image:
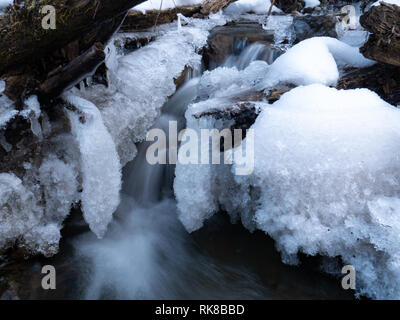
(136, 20)
(383, 22)
(213, 6)
(22, 38)
(380, 78)
(71, 73)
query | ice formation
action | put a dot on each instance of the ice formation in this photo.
(4, 4)
(325, 182)
(35, 199)
(326, 164)
(100, 166)
(142, 81)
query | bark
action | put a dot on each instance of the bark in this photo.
(380, 78)
(383, 44)
(289, 6)
(213, 6)
(22, 38)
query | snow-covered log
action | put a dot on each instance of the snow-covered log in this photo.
(23, 39)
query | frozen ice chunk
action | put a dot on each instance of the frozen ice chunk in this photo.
(101, 169)
(326, 181)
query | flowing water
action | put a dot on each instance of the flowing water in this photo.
(147, 254)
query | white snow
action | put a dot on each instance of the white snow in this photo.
(326, 181)
(164, 4)
(27, 217)
(312, 3)
(100, 165)
(378, 3)
(254, 6)
(142, 81)
(315, 60)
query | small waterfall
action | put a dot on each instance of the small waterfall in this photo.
(244, 54)
(146, 253)
(147, 183)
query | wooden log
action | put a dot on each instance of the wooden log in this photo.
(72, 73)
(383, 22)
(23, 40)
(380, 78)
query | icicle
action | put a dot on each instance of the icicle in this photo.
(181, 18)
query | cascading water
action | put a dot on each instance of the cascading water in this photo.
(147, 254)
(244, 54)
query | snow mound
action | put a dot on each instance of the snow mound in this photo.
(100, 165)
(326, 181)
(315, 60)
(254, 6)
(312, 3)
(32, 210)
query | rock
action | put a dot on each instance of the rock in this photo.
(383, 44)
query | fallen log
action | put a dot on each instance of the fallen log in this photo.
(383, 22)
(23, 39)
(136, 20)
(72, 73)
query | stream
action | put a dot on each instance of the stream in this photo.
(147, 254)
